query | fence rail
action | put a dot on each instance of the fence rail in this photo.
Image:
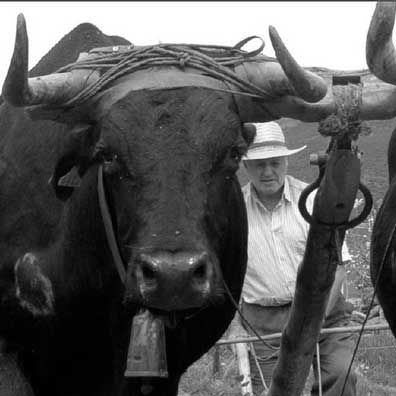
(241, 355)
(331, 330)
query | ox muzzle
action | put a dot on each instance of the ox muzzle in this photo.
(163, 280)
(173, 281)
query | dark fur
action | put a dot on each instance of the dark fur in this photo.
(170, 160)
(382, 233)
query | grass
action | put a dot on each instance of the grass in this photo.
(202, 378)
(377, 360)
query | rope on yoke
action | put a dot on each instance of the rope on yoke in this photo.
(345, 120)
(214, 61)
(343, 126)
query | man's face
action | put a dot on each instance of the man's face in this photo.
(267, 175)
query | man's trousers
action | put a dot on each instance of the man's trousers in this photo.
(335, 351)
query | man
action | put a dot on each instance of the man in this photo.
(276, 245)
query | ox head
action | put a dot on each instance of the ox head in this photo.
(169, 159)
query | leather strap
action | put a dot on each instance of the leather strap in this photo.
(108, 225)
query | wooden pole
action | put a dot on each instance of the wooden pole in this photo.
(333, 204)
(244, 368)
(331, 330)
(216, 360)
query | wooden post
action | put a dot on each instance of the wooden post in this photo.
(216, 359)
(244, 369)
(333, 204)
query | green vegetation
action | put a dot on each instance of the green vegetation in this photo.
(203, 379)
(376, 363)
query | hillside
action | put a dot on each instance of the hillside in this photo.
(374, 147)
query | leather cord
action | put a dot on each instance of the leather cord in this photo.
(108, 225)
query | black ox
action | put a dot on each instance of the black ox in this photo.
(381, 58)
(169, 158)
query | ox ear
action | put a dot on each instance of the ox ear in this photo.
(65, 177)
(248, 132)
(73, 162)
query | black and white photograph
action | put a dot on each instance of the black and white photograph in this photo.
(197, 198)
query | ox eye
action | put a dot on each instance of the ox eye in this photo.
(108, 159)
(237, 153)
(236, 156)
(230, 163)
(110, 164)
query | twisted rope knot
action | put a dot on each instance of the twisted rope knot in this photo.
(183, 59)
(346, 119)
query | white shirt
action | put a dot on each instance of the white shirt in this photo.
(276, 245)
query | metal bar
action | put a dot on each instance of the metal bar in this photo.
(374, 348)
(333, 330)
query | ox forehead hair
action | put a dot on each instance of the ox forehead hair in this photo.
(186, 119)
(173, 141)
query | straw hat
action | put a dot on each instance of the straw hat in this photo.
(269, 142)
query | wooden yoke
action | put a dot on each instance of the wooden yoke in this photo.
(332, 207)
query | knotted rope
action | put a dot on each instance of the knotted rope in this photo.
(345, 121)
(214, 61)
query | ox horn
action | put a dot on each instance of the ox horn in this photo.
(284, 77)
(307, 85)
(15, 86)
(19, 90)
(380, 51)
(377, 104)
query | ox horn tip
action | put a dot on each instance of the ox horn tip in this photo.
(380, 51)
(307, 85)
(15, 87)
(21, 21)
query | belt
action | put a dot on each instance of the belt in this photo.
(270, 302)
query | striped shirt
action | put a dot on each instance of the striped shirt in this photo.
(276, 245)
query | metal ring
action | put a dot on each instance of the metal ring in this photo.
(368, 198)
(303, 200)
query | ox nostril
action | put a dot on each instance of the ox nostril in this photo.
(172, 281)
(200, 271)
(148, 271)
